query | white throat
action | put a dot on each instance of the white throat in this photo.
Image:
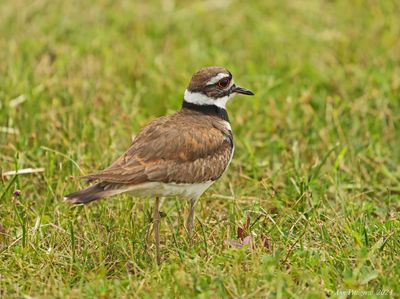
(201, 99)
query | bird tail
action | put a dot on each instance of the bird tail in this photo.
(92, 193)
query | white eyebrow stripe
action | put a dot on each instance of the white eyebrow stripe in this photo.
(216, 78)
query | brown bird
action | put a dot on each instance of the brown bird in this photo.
(178, 155)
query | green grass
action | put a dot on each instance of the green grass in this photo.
(317, 155)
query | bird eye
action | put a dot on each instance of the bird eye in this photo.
(223, 83)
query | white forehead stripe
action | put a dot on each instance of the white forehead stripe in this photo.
(201, 99)
(216, 78)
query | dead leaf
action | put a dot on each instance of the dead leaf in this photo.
(240, 233)
(245, 238)
(247, 222)
(248, 241)
(233, 243)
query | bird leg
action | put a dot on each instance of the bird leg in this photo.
(156, 224)
(190, 218)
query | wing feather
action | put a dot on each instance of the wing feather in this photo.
(177, 148)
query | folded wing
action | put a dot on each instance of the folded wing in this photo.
(172, 149)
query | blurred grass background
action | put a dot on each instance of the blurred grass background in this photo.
(316, 165)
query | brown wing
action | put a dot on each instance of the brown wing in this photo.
(182, 148)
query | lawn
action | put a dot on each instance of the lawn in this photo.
(316, 166)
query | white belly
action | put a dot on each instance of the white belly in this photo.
(154, 189)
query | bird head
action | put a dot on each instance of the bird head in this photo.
(213, 86)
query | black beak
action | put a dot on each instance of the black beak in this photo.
(241, 90)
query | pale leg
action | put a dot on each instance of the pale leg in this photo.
(156, 224)
(190, 218)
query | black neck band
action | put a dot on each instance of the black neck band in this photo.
(207, 109)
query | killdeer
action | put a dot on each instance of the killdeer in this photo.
(178, 155)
